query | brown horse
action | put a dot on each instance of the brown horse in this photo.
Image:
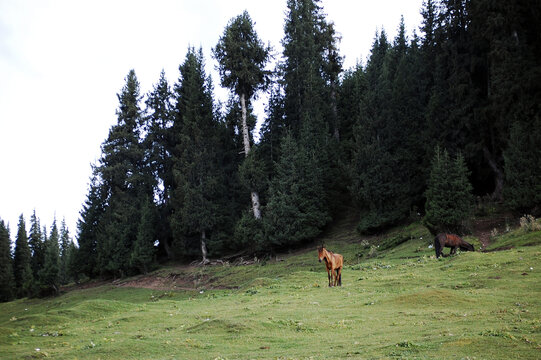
(451, 241)
(334, 264)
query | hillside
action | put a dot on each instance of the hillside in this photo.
(397, 301)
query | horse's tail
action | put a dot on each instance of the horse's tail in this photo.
(437, 246)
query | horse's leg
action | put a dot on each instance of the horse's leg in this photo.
(339, 273)
(453, 250)
(329, 275)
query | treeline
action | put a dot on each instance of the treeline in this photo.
(41, 261)
(429, 122)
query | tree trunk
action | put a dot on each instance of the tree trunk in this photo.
(168, 250)
(498, 174)
(255, 205)
(246, 138)
(204, 247)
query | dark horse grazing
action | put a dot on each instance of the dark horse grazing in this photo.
(334, 264)
(452, 241)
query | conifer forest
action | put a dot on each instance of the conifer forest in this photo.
(429, 126)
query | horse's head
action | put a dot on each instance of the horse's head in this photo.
(321, 253)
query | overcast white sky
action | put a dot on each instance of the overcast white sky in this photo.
(62, 62)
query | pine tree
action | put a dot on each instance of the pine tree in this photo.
(242, 58)
(449, 200)
(293, 214)
(159, 144)
(273, 129)
(65, 243)
(197, 177)
(24, 280)
(309, 74)
(283, 224)
(7, 282)
(88, 227)
(49, 275)
(73, 270)
(143, 254)
(35, 242)
(352, 94)
(126, 181)
(376, 174)
(523, 166)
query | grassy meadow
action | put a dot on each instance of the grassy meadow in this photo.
(397, 302)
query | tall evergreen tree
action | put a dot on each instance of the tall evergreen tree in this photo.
(143, 254)
(523, 166)
(88, 227)
(126, 181)
(24, 280)
(449, 200)
(293, 217)
(49, 275)
(7, 282)
(379, 175)
(352, 94)
(273, 129)
(73, 270)
(35, 242)
(197, 177)
(159, 144)
(306, 43)
(309, 74)
(64, 244)
(242, 58)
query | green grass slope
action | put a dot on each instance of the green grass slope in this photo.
(397, 302)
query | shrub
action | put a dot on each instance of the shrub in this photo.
(528, 223)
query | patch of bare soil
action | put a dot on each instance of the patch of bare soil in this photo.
(171, 281)
(484, 228)
(182, 277)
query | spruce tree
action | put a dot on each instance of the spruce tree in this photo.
(143, 254)
(351, 95)
(64, 243)
(88, 227)
(22, 258)
(198, 179)
(449, 200)
(242, 58)
(523, 166)
(7, 282)
(159, 144)
(375, 186)
(35, 242)
(283, 224)
(72, 261)
(309, 74)
(293, 214)
(126, 182)
(49, 275)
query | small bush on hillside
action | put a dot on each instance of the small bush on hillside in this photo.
(528, 223)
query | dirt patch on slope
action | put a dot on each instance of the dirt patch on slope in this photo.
(484, 228)
(171, 281)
